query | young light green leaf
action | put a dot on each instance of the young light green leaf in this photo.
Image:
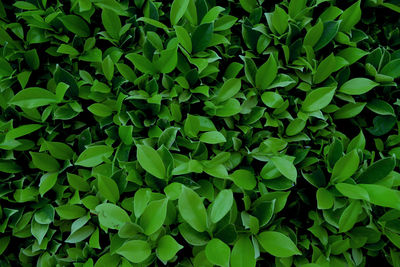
(142, 63)
(44, 162)
(278, 244)
(266, 73)
(135, 251)
(325, 199)
(229, 89)
(94, 155)
(178, 9)
(22, 130)
(285, 167)
(183, 37)
(151, 161)
(213, 137)
(192, 209)
(33, 97)
(217, 252)
(350, 17)
(108, 68)
(59, 150)
(325, 69)
(345, 167)
(349, 216)
(111, 22)
(318, 99)
(108, 188)
(112, 216)
(352, 191)
(243, 253)
(357, 86)
(154, 216)
(221, 205)
(167, 248)
(244, 179)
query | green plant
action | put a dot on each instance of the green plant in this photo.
(199, 133)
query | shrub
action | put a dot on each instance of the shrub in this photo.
(199, 133)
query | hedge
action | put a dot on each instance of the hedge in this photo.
(199, 133)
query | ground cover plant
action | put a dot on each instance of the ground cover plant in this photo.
(199, 133)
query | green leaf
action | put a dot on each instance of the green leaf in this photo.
(111, 22)
(248, 5)
(244, 179)
(39, 231)
(285, 167)
(277, 244)
(349, 216)
(59, 150)
(331, 28)
(217, 252)
(213, 137)
(151, 161)
(357, 86)
(324, 199)
(141, 63)
(100, 110)
(280, 20)
(325, 69)
(70, 212)
(80, 235)
(47, 181)
(76, 25)
(32, 58)
(183, 37)
(154, 216)
(178, 9)
(212, 14)
(45, 215)
(4, 241)
(135, 251)
(167, 248)
(33, 97)
(380, 107)
(192, 209)
(94, 155)
(243, 253)
(22, 130)
(349, 110)
(352, 54)
(357, 142)
(266, 74)
(392, 69)
(345, 167)
(350, 17)
(201, 37)
(108, 68)
(352, 191)
(228, 90)
(377, 171)
(314, 34)
(77, 182)
(221, 205)
(108, 188)
(382, 196)
(272, 99)
(112, 216)
(318, 99)
(44, 162)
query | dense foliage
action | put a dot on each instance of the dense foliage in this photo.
(199, 133)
